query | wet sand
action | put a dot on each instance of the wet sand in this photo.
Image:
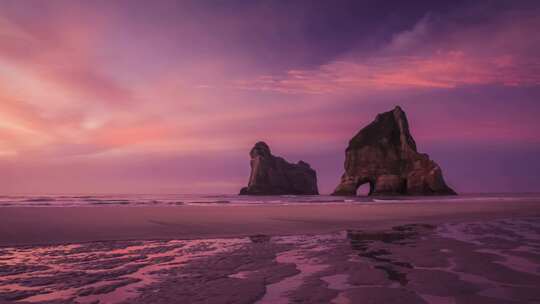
(438, 253)
(487, 261)
(57, 225)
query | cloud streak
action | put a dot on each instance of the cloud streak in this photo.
(423, 57)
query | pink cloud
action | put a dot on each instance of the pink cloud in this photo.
(501, 53)
(440, 70)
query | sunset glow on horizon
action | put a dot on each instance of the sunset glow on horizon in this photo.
(169, 96)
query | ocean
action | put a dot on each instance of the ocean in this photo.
(171, 200)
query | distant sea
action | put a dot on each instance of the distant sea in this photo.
(134, 200)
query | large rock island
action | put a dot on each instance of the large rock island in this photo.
(272, 175)
(384, 155)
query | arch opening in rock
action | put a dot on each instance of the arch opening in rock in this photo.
(364, 189)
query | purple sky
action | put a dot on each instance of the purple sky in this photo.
(169, 96)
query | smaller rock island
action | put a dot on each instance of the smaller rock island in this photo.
(383, 154)
(273, 175)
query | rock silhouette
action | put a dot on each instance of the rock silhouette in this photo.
(384, 155)
(272, 175)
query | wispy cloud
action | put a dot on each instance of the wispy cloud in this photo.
(502, 53)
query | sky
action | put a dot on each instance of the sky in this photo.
(162, 96)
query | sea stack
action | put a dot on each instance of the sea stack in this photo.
(384, 155)
(273, 175)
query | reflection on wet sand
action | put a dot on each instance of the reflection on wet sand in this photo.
(475, 262)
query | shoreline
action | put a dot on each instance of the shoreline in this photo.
(21, 226)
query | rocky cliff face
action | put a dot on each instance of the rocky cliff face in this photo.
(384, 155)
(271, 175)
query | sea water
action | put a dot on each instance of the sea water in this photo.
(133, 200)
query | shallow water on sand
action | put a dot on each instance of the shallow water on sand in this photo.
(473, 262)
(106, 271)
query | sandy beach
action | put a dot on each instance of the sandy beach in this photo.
(439, 253)
(54, 225)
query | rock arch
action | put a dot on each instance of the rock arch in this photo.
(384, 153)
(362, 184)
